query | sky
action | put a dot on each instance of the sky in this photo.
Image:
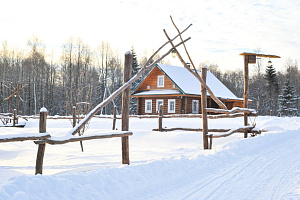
(221, 30)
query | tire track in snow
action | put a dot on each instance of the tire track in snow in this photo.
(229, 175)
(292, 166)
(208, 183)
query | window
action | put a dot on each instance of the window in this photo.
(195, 106)
(171, 106)
(161, 81)
(148, 106)
(159, 102)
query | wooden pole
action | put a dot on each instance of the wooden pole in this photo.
(203, 109)
(74, 124)
(115, 118)
(10, 100)
(41, 148)
(210, 141)
(74, 116)
(125, 107)
(17, 98)
(14, 118)
(160, 116)
(246, 91)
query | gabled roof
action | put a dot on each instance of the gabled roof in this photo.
(189, 84)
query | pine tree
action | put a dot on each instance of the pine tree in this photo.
(135, 64)
(272, 86)
(288, 100)
(135, 69)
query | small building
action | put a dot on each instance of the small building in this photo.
(179, 91)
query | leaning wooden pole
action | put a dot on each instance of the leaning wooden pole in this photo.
(203, 109)
(219, 102)
(41, 148)
(246, 91)
(145, 69)
(125, 108)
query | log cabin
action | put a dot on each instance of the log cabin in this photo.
(179, 91)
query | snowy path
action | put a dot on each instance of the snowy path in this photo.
(271, 172)
(164, 165)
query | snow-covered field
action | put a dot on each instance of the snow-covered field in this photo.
(164, 165)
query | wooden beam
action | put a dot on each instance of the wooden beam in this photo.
(241, 129)
(232, 111)
(259, 55)
(23, 137)
(83, 138)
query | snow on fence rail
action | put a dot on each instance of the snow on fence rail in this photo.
(23, 136)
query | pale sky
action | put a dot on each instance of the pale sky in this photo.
(221, 28)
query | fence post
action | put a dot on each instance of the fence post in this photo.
(74, 116)
(203, 109)
(14, 118)
(115, 118)
(41, 148)
(160, 116)
(125, 108)
(210, 141)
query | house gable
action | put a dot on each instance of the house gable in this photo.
(150, 82)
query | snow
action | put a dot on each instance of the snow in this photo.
(184, 80)
(157, 92)
(43, 109)
(164, 165)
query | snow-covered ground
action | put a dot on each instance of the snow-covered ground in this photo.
(164, 165)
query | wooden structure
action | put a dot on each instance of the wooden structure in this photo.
(15, 92)
(179, 91)
(250, 58)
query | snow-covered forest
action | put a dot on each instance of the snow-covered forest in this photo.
(83, 74)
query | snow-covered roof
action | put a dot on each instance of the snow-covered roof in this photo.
(189, 84)
(158, 92)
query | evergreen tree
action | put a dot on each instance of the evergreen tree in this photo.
(135, 65)
(272, 86)
(135, 69)
(288, 100)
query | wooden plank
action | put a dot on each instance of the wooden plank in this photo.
(83, 138)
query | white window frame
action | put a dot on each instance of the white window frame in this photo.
(197, 106)
(169, 105)
(162, 84)
(157, 104)
(146, 106)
